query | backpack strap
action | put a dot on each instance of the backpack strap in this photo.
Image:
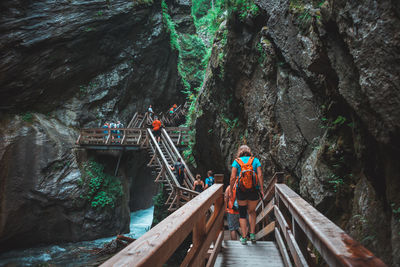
(250, 161)
(240, 162)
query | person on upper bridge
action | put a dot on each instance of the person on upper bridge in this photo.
(157, 128)
(210, 179)
(232, 211)
(174, 107)
(198, 185)
(247, 177)
(180, 170)
(150, 110)
(171, 111)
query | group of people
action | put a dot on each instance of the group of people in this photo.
(200, 186)
(172, 109)
(113, 126)
(241, 196)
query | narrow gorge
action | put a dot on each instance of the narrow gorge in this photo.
(312, 86)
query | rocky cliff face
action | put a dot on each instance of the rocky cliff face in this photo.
(313, 88)
(67, 65)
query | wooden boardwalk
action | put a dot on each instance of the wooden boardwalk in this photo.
(263, 253)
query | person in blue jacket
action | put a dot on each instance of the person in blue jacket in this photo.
(209, 180)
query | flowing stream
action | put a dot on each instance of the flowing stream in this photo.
(74, 254)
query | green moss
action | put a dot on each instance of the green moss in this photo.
(244, 8)
(28, 117)
(101, 189)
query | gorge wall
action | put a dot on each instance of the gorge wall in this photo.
(65, 65)
(313, 88)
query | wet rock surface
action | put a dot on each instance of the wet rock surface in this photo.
(65, 65)
(313, 90)
(41, 198)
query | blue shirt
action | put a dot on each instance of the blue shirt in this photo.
(256, 164)
(210, 181)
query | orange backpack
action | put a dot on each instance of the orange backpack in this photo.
(248, 179)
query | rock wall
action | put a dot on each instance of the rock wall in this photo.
(65, 65)
(313, 89)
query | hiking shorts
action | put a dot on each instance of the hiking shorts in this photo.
(233, 221)
(157, 133)
(248, 195)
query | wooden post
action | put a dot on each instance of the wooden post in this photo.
(219, 178)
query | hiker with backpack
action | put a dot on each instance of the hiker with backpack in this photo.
(209, 180)
(232, 211)
(198, 184)
(180, 170)
(247, 177)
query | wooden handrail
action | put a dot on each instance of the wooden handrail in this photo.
(164, 160)
(179, 155)
(156, 246)
(335, 246)
(132, 120)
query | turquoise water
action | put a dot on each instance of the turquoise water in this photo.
(74, 254)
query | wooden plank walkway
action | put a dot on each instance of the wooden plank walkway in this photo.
(263, 253)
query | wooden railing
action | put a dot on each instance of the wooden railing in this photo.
(117, 136)
(166, 136)
(298, 226)
(178, 194)
(156, 246)
(128, 136)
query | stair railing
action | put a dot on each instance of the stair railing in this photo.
(132, 120)
(156, 246)
(178, 155)
(297, 225)
(164, 161)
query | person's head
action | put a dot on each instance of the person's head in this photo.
(118, 122)
(150, 106)
(179, 160)
(155, 117)
(198, 177)
(244, 151)
(210, 173)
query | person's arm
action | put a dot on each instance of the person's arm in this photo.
(233, 178)
(172, 168)
(194, 185)
(260, 180)
(226, 195)
(206, 185)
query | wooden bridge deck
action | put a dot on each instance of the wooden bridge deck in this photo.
(263, 253)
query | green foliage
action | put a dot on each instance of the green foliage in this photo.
(188, 152)
(262, 53)
(339, 120)
(230, 124)
(101, 189)
(99, 13)
(28, 117)
(336, 181)
(245, 8)
(207, 19)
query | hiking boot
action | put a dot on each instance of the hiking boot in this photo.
(253, 238)
(243, 240)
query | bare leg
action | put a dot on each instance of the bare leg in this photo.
(233, 235)
(251, 210)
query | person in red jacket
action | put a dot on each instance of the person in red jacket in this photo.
(157, 128)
